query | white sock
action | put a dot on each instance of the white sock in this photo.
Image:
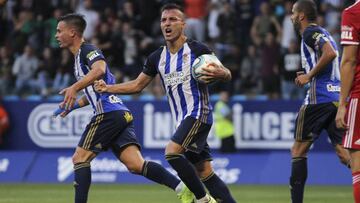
(205, 199)
(179, 187)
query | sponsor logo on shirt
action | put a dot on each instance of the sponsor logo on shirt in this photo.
(346, 32)
(332, 88)
(92, 55)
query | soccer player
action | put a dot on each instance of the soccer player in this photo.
(112, 125)
(189, 104)
(321, 63)
(348, 114)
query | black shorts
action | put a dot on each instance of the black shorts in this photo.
(192, 135)
(113, 130)
(313, 118)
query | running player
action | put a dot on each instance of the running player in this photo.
(189, 104)
(112, 125)
(321, 63)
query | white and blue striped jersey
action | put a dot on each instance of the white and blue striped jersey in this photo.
(186, 96)
(325, 86)
(104, 102)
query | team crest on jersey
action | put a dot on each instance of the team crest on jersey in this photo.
(92, 55)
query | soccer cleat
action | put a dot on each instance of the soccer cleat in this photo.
(185, 195)
(211, 200)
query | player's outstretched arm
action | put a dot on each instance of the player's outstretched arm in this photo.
(347, 72)
(130, 87)
(328, 54)
(97, 71)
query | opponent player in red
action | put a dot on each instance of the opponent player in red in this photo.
(349, 108)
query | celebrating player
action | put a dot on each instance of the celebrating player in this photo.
(350, 86)
(321, 63)
(189, 103)
(112, 125)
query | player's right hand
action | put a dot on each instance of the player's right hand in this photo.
(61, 111)
(340, 118)
(100, 86)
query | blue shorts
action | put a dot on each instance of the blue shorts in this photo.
(192, 135)
(314, 118)
(113, 130)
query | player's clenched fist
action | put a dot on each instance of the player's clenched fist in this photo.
(100, 86)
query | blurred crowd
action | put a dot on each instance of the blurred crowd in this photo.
(255, 39)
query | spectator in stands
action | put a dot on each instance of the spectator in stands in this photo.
(45, 71)
(270, 69)
(288, 34)
(50, 29)
(263, 24)
(64, 72)
(244, 17)
(195, 11)
(4, 122)
(24, 70)
(290, 63)
(249, 80)
(91, 17)
(6, 77)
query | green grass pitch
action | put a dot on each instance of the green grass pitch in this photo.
(114, 193)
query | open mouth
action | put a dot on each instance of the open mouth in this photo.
(168, 31)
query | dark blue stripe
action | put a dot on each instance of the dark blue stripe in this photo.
(85, 71)
(180, 86)
(307, 56)
(194, 91)
(167, 70)
(167, 64)
(173, 101)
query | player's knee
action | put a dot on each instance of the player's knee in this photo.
(81, 157)
(297, 151)
(134, 168)
(204, 169)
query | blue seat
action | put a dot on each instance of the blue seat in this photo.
(33, 97)
(214, 97)
(239, 97)
(146, 97)
(11, 98)
(125, 97)
(55, 98)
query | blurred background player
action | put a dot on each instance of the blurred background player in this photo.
(189, 104)
(112, 125)
(224, 127)
(348, 113)
(321, 63)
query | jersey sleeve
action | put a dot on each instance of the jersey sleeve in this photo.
(199, 48)
(315, 38)
(150, 65)
(349, 30)
(92, 54)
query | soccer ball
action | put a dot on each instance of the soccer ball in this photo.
(202, 62)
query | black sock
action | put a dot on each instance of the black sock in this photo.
(187, 174)
(159, 174)
(298, 178)
(218, 189)
(82, 181)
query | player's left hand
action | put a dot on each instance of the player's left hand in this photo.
(69, 97)
(340, 118)
(302, 80)
(214, 71)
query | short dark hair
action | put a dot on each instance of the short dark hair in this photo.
(308, 7)
(75, 20)
(170, 6)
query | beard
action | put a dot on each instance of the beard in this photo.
(296, 24)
